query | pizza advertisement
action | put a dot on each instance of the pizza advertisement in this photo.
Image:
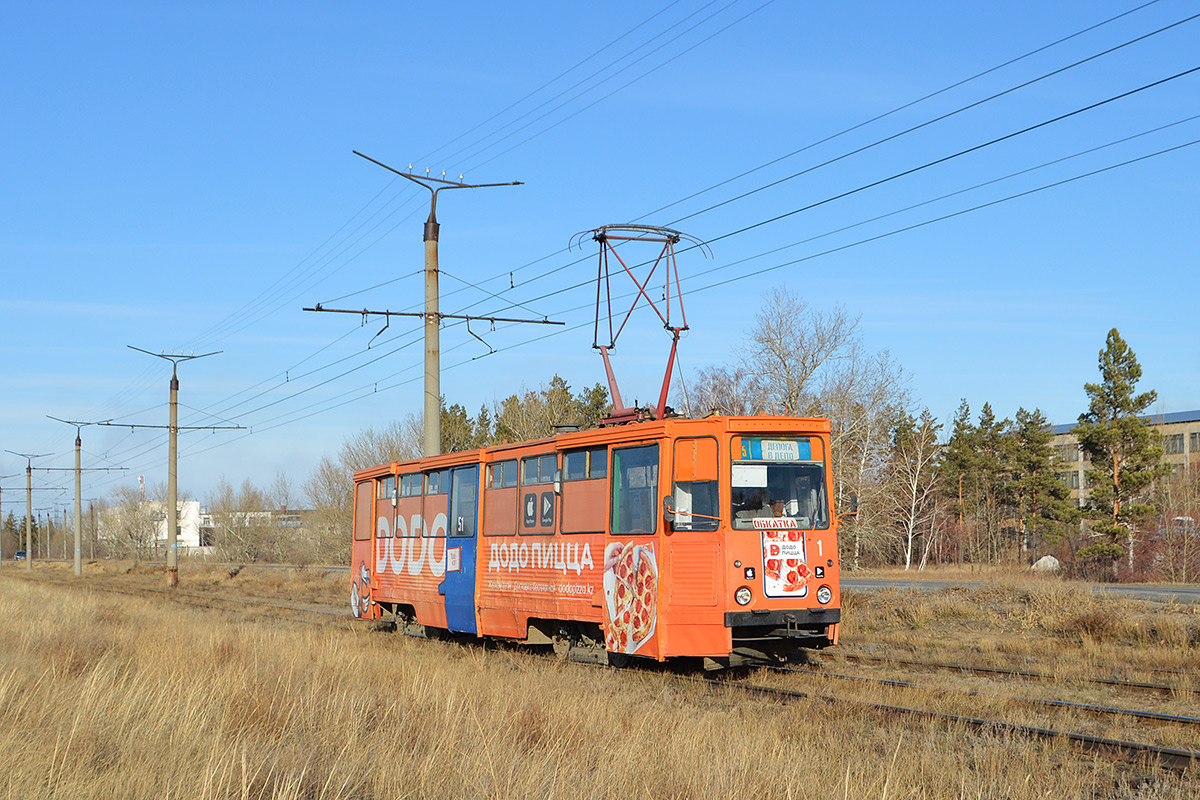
(785, 564)
(631, 596)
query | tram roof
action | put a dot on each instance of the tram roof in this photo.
(614, 434)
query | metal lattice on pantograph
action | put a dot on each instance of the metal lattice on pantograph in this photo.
(671, 302)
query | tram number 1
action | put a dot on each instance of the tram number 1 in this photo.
(820, 553)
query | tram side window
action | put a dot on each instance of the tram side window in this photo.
(437, 482)
(385, 487)
(538, 469)
(584, 490)
(502, 474)
(582, 465)
(635, 490)
(410, 485)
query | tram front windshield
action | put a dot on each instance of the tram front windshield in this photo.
(795, 491)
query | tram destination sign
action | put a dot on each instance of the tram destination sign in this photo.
(776, 450)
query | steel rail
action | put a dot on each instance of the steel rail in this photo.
(1113, 710)
(1168, 757)
(1014, 673)
(1026, 659)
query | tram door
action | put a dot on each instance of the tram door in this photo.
(458, 586)
(694, 546)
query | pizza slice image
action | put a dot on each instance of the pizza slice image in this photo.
(646, 594)
(631, 595)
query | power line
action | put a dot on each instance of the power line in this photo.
(1068, 37)
(743, 276)
(874, 119)
(900, 108)
(691, 278)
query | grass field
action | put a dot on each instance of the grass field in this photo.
(112, 695)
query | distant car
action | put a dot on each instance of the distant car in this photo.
(19, 555)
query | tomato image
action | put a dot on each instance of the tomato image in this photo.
(794, 536)
(773, 568)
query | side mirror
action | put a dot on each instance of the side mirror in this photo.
(853, 504)
(558, 481)
(668, 512)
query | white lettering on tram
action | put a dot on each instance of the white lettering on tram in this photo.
(562, 556)
(409, 551)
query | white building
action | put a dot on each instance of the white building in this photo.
(119, 520)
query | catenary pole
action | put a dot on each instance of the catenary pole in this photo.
(433, 317)
(79, 486)
(172, 458)
(2, 477)
(29, 457)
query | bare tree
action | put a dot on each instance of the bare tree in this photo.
(914, 480)
(791, 344)
(1173, 551)
(129, 526)
(801, 361)
(721, 390)
(330, 487)
(243, 527)
(864, 399)
(282, 492)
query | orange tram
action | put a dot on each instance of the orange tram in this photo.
(710, 539)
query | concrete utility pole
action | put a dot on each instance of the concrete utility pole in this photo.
(29, 490)
(29, 457)
(433, 319)
(173, 457)
(79, 490)
(2, 477)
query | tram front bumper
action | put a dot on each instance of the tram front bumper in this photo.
(800, 623)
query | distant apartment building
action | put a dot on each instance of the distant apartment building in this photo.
(1181, 438)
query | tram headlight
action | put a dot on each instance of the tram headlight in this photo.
(742, 595)
(824, 595)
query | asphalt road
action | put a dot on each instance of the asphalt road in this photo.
(1164, 593)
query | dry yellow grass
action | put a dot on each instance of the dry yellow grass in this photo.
(1044, 618)
(107, 696)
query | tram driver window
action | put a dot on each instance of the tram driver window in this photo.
(795, 491)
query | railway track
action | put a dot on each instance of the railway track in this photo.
(295, 613)
(1150, 716)
(1170, 758)
(1174, 759)
(954, 652)
(1161, 688)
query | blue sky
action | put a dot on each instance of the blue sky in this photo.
(179, 177)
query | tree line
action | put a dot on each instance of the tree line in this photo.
(985, 491)
(980, 490)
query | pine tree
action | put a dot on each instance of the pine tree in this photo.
(1125, 452)
(957, 468)
(458, 431)
(993, 471)
(1041, 499)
